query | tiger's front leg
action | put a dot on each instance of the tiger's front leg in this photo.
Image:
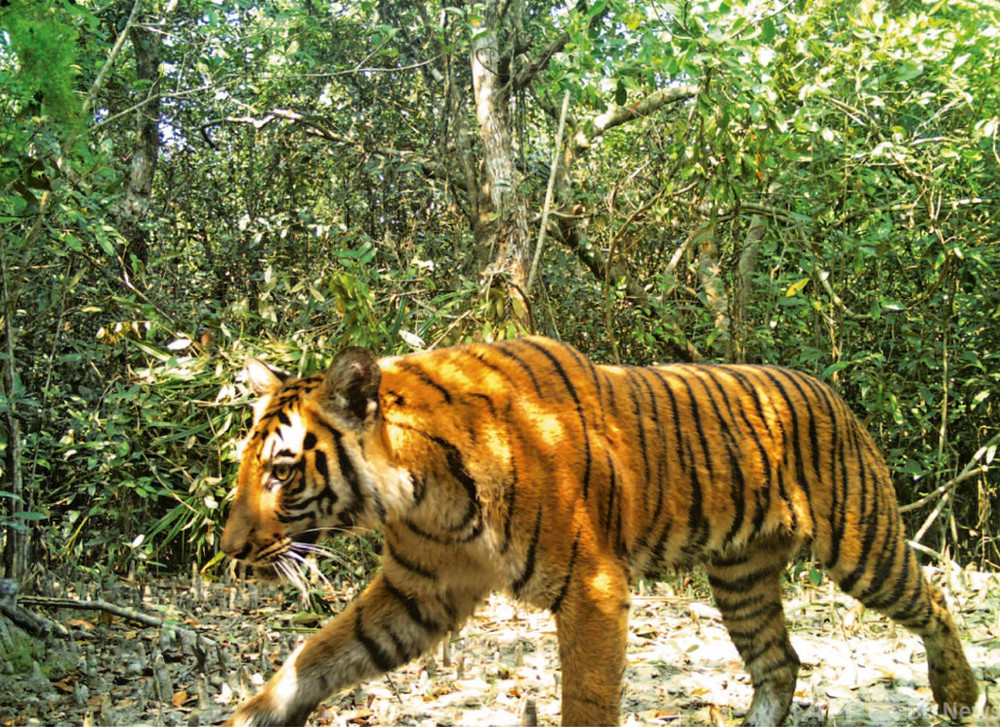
(381, 630)
(592, 625)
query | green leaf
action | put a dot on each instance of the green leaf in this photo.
(834, 368)
(767, 30)
(621, 95)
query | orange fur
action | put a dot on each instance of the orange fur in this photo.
(523, 466)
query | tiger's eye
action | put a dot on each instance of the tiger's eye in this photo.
(282, 472)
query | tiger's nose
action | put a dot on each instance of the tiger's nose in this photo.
(237, 554)
(235, 545)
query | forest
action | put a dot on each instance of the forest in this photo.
(188, 183)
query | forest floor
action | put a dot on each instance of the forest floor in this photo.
(218, 639)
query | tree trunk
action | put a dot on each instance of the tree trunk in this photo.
(147, 149)
(712, 284)
(15, 552)
(503, 221)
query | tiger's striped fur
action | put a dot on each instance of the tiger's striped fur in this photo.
(523, 466)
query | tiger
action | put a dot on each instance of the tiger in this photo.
(522, 466)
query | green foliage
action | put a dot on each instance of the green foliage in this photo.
(40, 70)
(308, 197)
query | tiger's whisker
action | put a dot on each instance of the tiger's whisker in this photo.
(313, 568)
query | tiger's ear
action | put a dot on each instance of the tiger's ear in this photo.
(350, 388)
(264, 379)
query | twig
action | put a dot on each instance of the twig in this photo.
(548, 193)
(940, 558)
(970, 470)
(112, 56)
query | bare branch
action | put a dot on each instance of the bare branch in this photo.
(618, 115)
(971, 469)
(677, 344)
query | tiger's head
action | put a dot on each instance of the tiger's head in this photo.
(310, 463)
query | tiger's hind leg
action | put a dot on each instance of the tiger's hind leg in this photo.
(747, 590)
(890, 581)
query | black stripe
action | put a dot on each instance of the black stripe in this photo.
(441, 539)
(746, 582)
(350, 474)
(751, 390)
(838, 498)
(322, 466)
(585, 363)
(489, 405)
(458, 470)
(309, 441)
(509, 496)
(689, 471)
(426, 535)
(915, 614)
(739, 558)
(773, 467)
(419, 488)
(868, 522)
(698, 531)
(408, 564)
(584, 431)
(643, 540)
(696, 416)
(503, 350)
(839, 494)
(762, 614)
(529, 565)
(412, 608)
(885, 572)
(612, 492)
(656, 555)
(557, 602)
(756, 651)
(283, 516)
(800, 472)
(638, 413)
(741, 601)
(737, 489)
(411, 367)
(795, 378)
(762, 495)
(379, 655)
(406, 652)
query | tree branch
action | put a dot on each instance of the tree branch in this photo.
(618, 115)
(532, 68)
(527, 74)
(676, 344)
(95, 87)
(971, 469)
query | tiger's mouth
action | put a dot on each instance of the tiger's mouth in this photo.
(266, 573)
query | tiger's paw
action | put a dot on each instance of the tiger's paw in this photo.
(262, 712)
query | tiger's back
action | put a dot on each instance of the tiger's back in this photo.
(522, 465)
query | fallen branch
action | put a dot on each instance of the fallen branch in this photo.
(99, 605)
(32, 623)
(203, 642)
